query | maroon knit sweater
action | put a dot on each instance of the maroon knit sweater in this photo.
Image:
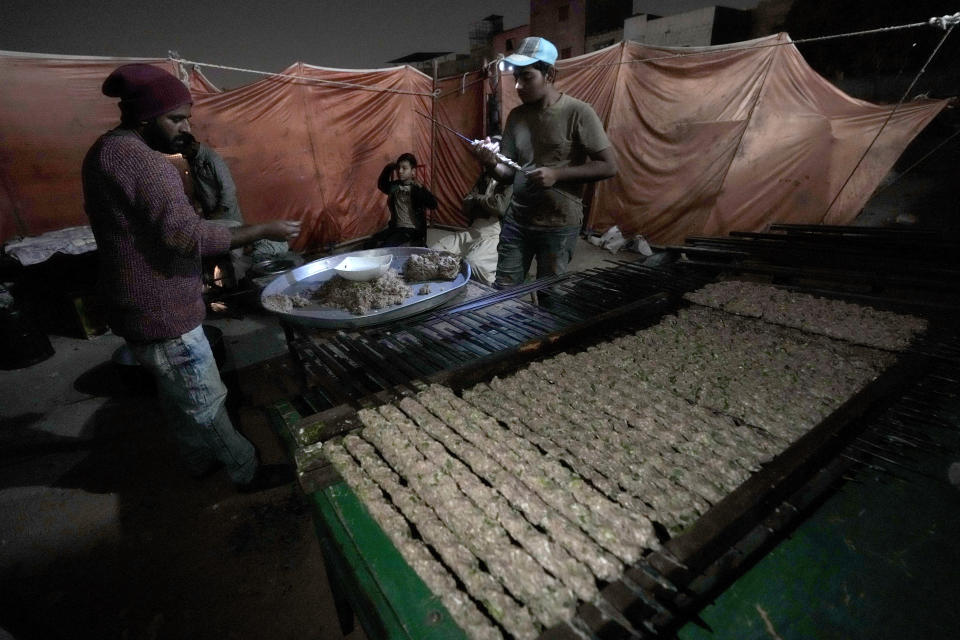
(149, 239)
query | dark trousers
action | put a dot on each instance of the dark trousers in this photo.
(395, 237)
(519, 244)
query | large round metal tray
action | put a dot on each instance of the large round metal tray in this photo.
(317, 272)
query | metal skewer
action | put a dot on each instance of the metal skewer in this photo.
(502, 158)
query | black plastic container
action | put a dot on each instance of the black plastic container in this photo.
(22, 343)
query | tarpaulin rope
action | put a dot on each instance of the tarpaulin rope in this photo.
(337, 83)
(944, 22)
(918, 162)
(953, 21)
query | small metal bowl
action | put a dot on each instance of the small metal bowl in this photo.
(272, 266)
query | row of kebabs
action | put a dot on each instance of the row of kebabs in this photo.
(835, 318)
(535, 489)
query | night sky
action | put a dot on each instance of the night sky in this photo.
(267, 36)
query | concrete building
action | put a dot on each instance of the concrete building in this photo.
(506, 42)
(605, 20)
(424, 60)
(769, 16)
(483, 36)
(582, 26)
(562, 22)
(697, 28)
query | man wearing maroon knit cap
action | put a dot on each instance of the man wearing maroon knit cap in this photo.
(150, 243)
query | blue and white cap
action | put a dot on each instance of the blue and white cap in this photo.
(533, 50)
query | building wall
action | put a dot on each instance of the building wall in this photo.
(426, 66)
(506, 42)
(461, 63)
(562, 22)
(635, 28)
(769, 17)
(602, 40)
(730, 25)
(690, 29)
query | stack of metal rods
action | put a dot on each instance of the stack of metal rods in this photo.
(911, 425)
(878, 261)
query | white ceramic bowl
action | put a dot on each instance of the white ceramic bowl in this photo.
(363, 267)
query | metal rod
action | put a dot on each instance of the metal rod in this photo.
(502, 158)
(410, 360)
(414, 347)
(464, 339)
(513, 164)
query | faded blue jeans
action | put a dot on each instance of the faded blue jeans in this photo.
(192, 396)
(519, 244)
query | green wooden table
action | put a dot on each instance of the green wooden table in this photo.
(368, 576)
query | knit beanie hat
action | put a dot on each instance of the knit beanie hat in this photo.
(145, 91)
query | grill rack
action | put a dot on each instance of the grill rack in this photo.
(880, 429)
(493, 332)
(885, 267)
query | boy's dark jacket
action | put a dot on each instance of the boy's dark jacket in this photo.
(420, 199)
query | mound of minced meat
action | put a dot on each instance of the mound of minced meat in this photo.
(360, 297)
(431, 266)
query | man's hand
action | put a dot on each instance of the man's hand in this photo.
(282, 230)
(600, 166)
(275, 230)
(483, 152)
(543, 177)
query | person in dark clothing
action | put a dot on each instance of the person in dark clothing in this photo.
(150, 243)
(215, 193)
(408, 201)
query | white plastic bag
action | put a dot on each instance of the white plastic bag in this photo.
(613, 240)
(641, 246)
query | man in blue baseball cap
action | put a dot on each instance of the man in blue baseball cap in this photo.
(560, 145)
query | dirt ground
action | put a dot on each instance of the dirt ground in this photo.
(166, 556)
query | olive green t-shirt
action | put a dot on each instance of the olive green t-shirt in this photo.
(560, 135)
(403, 207)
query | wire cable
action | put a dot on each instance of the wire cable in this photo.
(918, 162)
(337, 83)
(890, 115)
(944, 22)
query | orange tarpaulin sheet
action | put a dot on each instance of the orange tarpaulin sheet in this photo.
(729, 139)
(732, 137)
(306, 144)
(51, 111)
(310, 148)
